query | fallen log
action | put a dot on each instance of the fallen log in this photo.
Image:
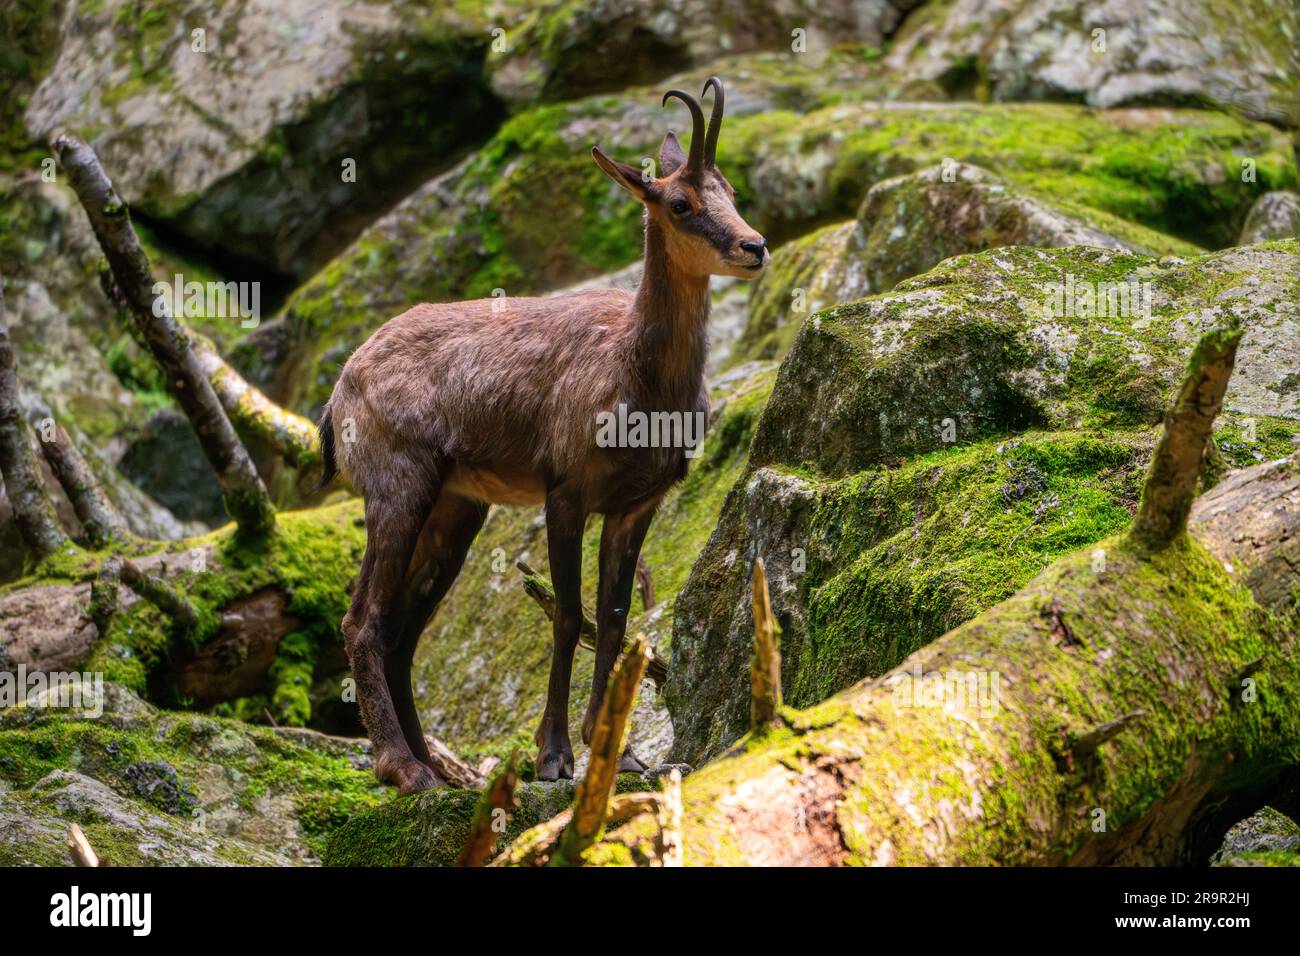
(250, 602)
(1098, 716)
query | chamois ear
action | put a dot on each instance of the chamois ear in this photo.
(671, 155)
(629, 177)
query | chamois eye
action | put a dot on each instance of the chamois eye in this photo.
(680, 206)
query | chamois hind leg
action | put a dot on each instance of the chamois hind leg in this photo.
(620, 545)
(396, 510)
(448, 533)
(565, 519)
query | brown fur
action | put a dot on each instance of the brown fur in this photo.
(449, 408)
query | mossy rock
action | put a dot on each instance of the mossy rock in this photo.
(909, 224)
(430, 828)
(1274, 216)
(574, 48)
(1018, 338)
(156, 787)
(920, 459)
(1195, 52)
(1267, 838)
(261, 129)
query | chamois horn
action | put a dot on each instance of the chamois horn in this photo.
(715, 120)
(695, 161)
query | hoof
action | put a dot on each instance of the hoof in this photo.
(408, 776)
(631, 763)
(554, 765)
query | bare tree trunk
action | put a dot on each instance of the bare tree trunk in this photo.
(28, 496)
(242, 490)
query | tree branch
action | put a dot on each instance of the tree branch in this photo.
(292, 436)
(539, 589)
(498, 797)
(101, 523)
(118, 570)
(245, 496)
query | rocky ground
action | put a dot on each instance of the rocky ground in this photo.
(903, 427)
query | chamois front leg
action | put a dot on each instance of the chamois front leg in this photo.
(565, 519)
(621, 537)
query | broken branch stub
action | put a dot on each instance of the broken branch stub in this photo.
(79, 849)
(765, 665)
(1176, 464)
(119, 571)
(242, 491)
(591, 802)
(498, 798)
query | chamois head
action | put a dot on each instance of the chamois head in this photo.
(692, 202)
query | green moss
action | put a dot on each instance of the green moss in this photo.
(215, 761)
(291, 677)
(920, 549)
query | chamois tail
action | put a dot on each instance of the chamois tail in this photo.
(327, 449)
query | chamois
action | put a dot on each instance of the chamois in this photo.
(449, 408)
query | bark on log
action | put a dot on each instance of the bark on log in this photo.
(245, 609)
(245, 496)
(33, 511)
(1003, 742)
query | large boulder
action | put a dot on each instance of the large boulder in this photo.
(1267, 838)
(1115, 53)
(924, 452)
(575, 49)
(237, 136)
(907, 225)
